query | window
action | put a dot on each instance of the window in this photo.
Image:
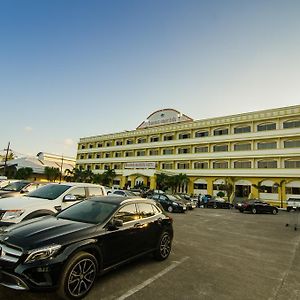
(182, 136)
(266, 126)
(291, 124)
(129, 142)
(107, 154)
(128, 153)
(242, 147)
(106, 167)
(220, 148)
(89, 167)
(183, 150)
(117, 166)
(108, 144)
(269, 189)
(167, 166)
(118, 154)
(82, 156)
(127, 213)
(201, 134)
(200, 186)
(100, 145)
(242, 129)
(95, 191)
(82, 147)
(90, 146)
(98, 155)
(292, 190)
(153, 152)
(119, 143)
(292, 144)
(292, 164)
(90, 156)
(141, 153)
(141, 140)
(221, 131)
(266, 145)
(168, 137)
(200, 165)
(79, 193)
(146, 210)
(201, 149)
(183, 166)
(267, 164)
(242, 164)
(220, 165)
(97, 167)
(167, 151)
(154, 139)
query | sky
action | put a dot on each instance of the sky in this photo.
(72, 69)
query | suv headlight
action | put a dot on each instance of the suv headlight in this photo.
(12, 214)
(42, 253)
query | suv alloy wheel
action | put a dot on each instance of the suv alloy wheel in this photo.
(164, 246)
(78, 276)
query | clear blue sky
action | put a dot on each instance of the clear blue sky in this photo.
(70, 69)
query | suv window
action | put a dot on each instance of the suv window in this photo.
(78, 192)
(49, 191)
(127, 213)
(119, 193)
(146, 210)
(95, 191)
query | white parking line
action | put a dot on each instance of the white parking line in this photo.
(150, 280)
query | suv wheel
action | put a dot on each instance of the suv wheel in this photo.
(164, 246)
(253, 210)
(78, 276)
(274, 211)
(170, 208)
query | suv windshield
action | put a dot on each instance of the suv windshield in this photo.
(173, 198)
(15, 186)
(49, 191)
(89, 211)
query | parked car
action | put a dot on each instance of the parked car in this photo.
(46, 200)
(187, 201)
(257, 206)
(5, 182)
(123, 193)
(68, 251)
(170, 203)
(218, 203)
(19, 187)
(293, 204)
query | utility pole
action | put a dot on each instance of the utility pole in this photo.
(6, 157)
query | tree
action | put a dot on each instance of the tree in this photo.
(24, 173)
(228, 187)
(108, 177)
(162, 181)
(51, 173)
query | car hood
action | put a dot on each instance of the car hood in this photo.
(44, 231)
(22, 202)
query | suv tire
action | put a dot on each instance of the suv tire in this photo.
(164, 246)
(78, 276)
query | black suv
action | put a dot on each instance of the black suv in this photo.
(170, 203)
(68, 250)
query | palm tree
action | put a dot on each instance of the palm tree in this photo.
(162, 181)
(52, 173)
(108, 177)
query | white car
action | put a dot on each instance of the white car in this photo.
(47, 200)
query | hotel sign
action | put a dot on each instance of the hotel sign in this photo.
(140, 165)
(163, 117)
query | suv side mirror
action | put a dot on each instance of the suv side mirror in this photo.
(69, 198)
(115, 224)
(24, 191)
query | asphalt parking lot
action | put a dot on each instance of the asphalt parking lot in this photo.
(217, 254)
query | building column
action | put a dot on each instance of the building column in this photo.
(123, 181)
(152, 182)
(254, 190)
(191, 186)
(209, 185)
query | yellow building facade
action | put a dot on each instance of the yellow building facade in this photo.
(257, 152)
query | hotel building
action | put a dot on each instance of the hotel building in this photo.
(257, 152)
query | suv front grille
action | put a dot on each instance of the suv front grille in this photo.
(9, 254)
